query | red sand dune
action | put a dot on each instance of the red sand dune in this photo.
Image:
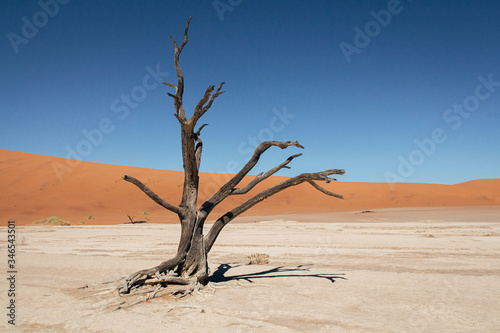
(31, 190)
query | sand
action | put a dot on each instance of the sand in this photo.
(387, 271)
(37, 186)
(388, 258)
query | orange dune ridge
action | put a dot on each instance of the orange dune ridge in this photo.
(31, 190)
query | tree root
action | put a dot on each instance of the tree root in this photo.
(184, 306)
(159, 291)
(150, 295)
(149, 284)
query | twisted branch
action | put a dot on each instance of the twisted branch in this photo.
(179, 87)
(199, 146)
(321, 189)
(152, 195)
(229, 188)
(263, 176)
(206, 102)
(229, 216)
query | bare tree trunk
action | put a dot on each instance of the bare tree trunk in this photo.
(189, 267)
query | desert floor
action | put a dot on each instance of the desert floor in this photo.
(391, 270)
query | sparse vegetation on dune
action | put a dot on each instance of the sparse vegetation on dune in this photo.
(53, 220)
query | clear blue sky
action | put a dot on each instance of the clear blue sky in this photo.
(388, 90)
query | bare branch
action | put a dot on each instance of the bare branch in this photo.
(180, 77)
(173, 41)
(263, 176)
(197, 110)
(321, 189)
(206, 102)
(176, 100)
(178, 118)
(228, 188)
(229, 216)
(212, 98)
(186, 34)
(199, 145)
(170, 85)
(197, 133)
(152, 195)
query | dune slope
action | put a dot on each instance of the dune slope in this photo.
(36, 186)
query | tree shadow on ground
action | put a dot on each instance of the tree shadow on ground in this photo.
(278, 272)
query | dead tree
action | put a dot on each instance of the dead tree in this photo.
(188, 270)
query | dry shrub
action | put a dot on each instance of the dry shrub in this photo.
(53, 220)
(258, 259)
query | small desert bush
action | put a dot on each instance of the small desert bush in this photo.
(258, 259)
(53, 220)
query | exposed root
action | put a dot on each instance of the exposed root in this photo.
(149, 284)
(132, 279)
(159, 291)
(194, 286)
(106, 291)
(113, 304)
(150, 295)
(184, 306)
(211, 287)
(143, 291)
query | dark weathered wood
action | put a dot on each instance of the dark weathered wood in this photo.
(189, 265)
(263, 176)
(151, 194)
(180, 77)
(206, 102)
(132, 221)
(229, 216)
(199, 146)
(229, 187)
(321, 189)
